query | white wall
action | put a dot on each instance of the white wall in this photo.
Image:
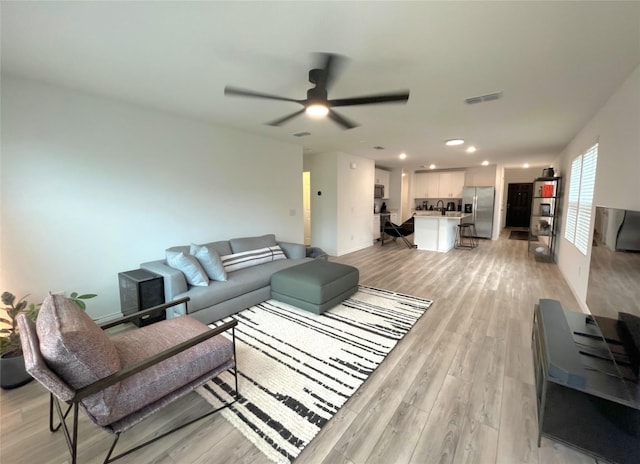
(342, 217)
(92, 187)
(615, 127)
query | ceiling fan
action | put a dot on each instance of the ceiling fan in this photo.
(317, 103)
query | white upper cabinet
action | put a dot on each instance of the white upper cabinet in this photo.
(383, 178)
(451, 184)
(439, 184)
(426, 185)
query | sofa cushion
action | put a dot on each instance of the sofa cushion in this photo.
(238, 283)
(77, 350)
(221, 247)
(250, 258)
(189, 266)
(238, 245)
(210, 260)
(165, 377)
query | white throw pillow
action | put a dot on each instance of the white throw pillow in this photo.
(250, 258)
(210, 261)
(189, 266)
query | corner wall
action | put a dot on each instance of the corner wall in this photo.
(342, 217)
(615, 128)
(93, 186)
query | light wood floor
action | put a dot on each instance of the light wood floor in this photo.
(458, 388)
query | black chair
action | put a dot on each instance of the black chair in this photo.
(402, 231)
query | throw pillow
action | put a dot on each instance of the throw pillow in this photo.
(77, 349)
(189, 266)
(250, 258)
(210, 261)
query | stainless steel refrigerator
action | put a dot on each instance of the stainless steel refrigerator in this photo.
(478, 201)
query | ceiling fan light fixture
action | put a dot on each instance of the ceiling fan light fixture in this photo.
(317, 110)
(454, 142)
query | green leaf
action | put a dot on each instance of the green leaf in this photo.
(73, 295)
(80, 304)
(88, 296)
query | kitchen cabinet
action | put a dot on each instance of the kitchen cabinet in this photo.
(427, 185)
(543, 225)
(383, 178)
(376, 227)
(439, 184)
(451, 184)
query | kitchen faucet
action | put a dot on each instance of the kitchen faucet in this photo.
(441, 209)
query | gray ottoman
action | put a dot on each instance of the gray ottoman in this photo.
(315, 286)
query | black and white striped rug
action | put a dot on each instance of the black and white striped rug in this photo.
(296, 369)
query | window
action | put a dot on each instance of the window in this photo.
(581, 187)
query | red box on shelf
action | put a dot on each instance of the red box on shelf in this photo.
(547, 190)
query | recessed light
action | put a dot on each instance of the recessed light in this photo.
(432, 166)
(454, 142)
(525, 165)
(402, 156)
(485, 163)
(471, 149)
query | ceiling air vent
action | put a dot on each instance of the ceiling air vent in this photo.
(483, 98)
(378, 148)
(301, 134)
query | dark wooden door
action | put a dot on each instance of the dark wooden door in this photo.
(519, 205)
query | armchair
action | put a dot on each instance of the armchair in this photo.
(121, 380)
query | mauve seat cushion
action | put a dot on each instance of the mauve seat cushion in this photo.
(163, 378)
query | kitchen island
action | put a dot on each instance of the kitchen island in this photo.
(435, 232)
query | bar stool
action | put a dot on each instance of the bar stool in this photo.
(465, 236)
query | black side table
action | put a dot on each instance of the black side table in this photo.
(141, 289)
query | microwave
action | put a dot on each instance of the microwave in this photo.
(378, 191)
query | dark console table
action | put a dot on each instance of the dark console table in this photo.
(587, 391)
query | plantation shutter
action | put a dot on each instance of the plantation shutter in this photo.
(574, 197)
(585, 202)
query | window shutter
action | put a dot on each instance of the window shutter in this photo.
(587, 186)
(574, 196)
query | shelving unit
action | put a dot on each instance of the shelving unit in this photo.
(544, 216)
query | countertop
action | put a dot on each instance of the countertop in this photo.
(438, 214)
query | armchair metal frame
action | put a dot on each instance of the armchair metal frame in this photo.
(402, 231)
(71, 431)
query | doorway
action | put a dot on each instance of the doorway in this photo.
(519, 204)
(306, 206)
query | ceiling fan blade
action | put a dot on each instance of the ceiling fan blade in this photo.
(228, 90)
(331, 63)
(344, 122)
(280, 121)
(398, 97)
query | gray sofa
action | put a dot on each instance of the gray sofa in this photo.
(243, 287)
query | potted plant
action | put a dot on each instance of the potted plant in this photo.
(12, 371)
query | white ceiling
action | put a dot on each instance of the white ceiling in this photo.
(555, 62)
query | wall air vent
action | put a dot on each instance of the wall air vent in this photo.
(473, 100)
(483, 98)
(301, 134)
